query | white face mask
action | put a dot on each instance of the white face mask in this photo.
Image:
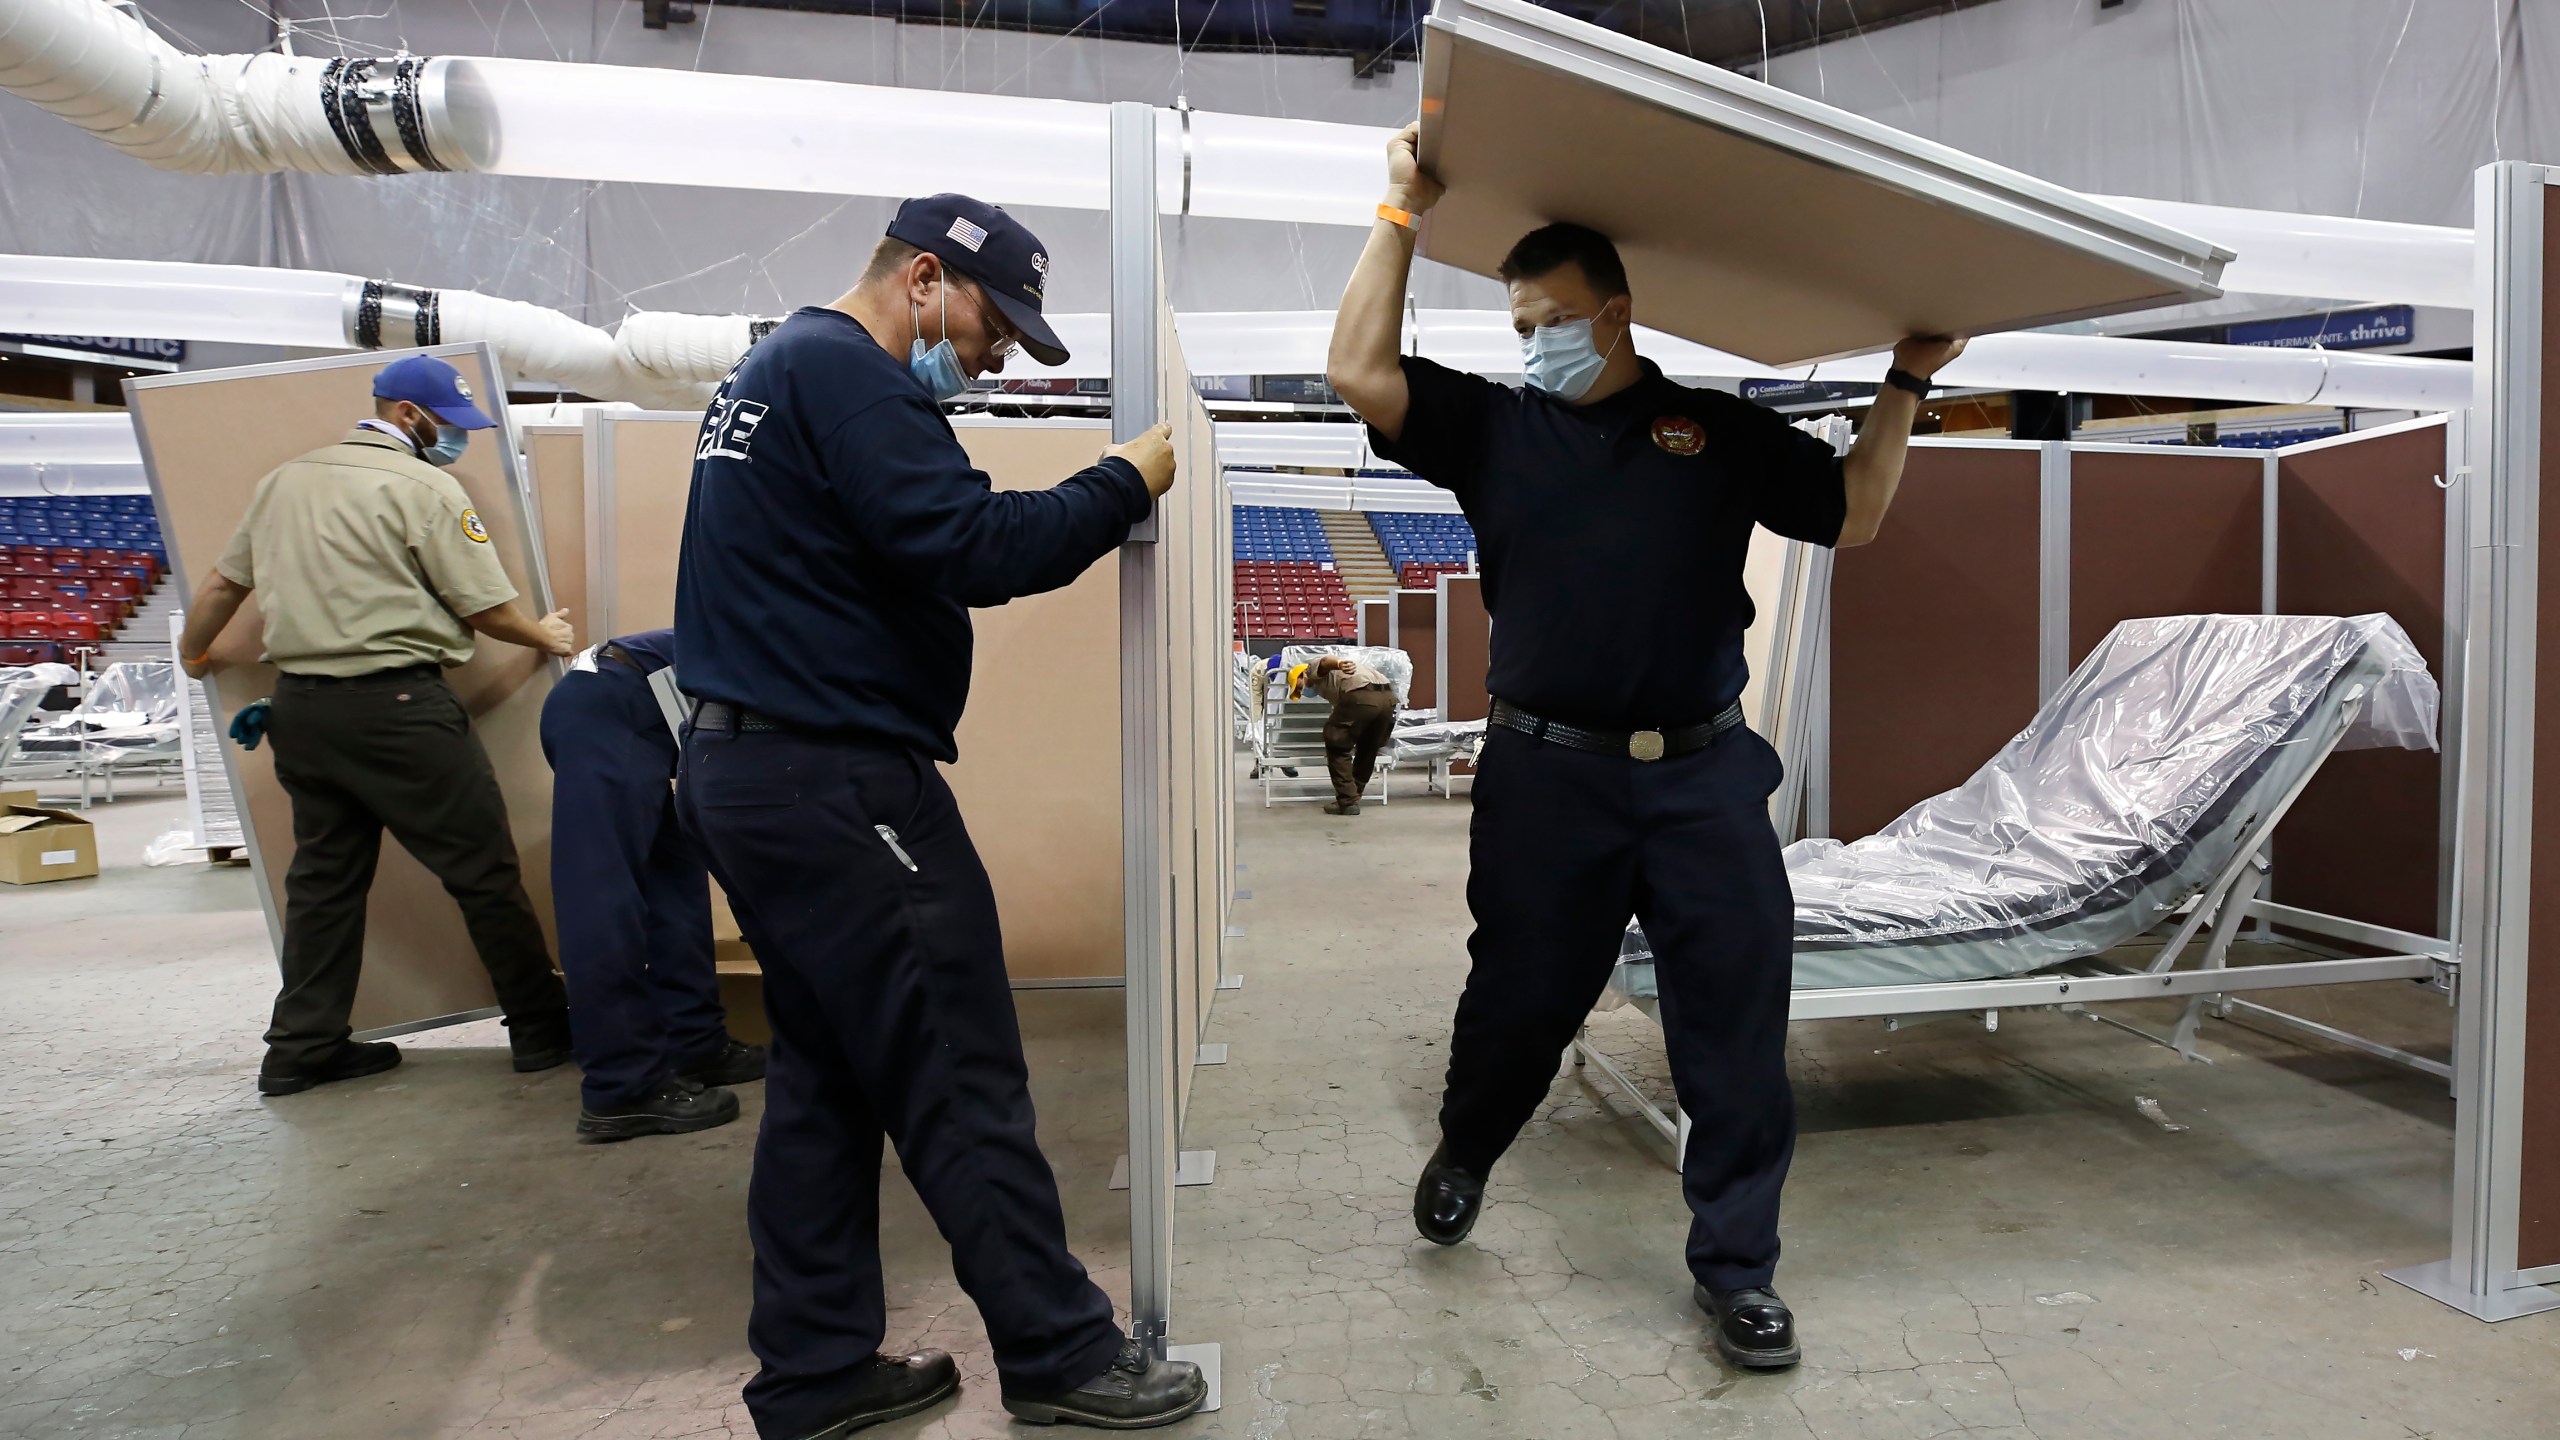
(1563, 360)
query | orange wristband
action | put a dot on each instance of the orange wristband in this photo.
(1394, 216)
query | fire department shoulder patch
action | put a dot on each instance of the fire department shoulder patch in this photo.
(472, 527)
(1679, 434)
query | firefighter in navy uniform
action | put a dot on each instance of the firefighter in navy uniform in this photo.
(633, 903)
(835, 537)
(1613, 509)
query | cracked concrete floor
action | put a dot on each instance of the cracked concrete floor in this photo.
(1984, 1235)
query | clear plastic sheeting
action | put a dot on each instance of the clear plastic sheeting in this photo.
(1396, 665)
(2132, 789)
(130, 716)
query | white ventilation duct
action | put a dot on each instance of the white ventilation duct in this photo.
(659, 360)
(108, 73)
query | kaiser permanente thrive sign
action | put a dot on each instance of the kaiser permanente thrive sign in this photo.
(2338, 330)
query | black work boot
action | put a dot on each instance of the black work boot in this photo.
(352, 1059)
(893, 1386)
(1343, 807)
(1754, 1328)
(1447, 1201)
(679, 1108)
(539, 1042)
(1135, 1393)
(734, 1063)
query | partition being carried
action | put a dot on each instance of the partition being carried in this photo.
(208, 437)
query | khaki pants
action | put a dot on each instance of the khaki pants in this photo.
(1361, 724)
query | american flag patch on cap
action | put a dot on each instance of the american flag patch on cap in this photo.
(967, 234)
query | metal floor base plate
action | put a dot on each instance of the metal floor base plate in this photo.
(1206, 1357)
(1190, 1167)
(1212, 1054)
(1231, 982)
(2436, 1281)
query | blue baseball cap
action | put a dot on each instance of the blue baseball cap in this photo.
(989, 246)
(432, 386)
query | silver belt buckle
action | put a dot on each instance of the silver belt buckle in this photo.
(1645, 745)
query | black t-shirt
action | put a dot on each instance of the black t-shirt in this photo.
(837, 533)
(1612, 535)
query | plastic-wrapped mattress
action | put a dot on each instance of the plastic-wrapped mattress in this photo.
(2130, 791)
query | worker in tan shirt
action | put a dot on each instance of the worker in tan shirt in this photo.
(372, 572)
(1363, 722)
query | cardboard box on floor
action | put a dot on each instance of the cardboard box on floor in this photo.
(10, 798)
(37, 845)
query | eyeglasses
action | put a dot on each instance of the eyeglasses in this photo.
(1005, 343)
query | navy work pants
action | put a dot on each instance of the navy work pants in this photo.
(633, 900)
(1564, 846)
(892, 1016)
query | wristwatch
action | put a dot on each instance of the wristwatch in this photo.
(1901, 379)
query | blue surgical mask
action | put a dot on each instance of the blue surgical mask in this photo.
(451, 441)
(1562, 359)
(938, 369)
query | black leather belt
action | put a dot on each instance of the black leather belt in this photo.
(401, 675)
(619, 656)
(713, 715)
(1635, 745)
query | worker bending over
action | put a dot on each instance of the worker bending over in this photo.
(836, 536)
(1614, 509)
(372, 572)
(1363, 721)
(634, 906)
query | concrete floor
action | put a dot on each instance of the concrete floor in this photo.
(1984, 1234)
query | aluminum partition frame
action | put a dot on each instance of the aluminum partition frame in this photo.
(529, 517)
(2053, 567)
(1137, 261)
(2493, 915)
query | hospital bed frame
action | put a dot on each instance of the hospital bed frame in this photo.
(2218, 912)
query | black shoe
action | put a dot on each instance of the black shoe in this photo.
(539, 1042)
(1136, 1393)
(679, 1108)
(1338, 808)
(892, 1387)
(734, 1063)
(1447, 1201)
(1754, 1328)
(354, 1058)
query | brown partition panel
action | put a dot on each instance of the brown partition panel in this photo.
(555, 460)
(2168, 532)
(1933, 634)
(2538, 1150)
(2360, 527)
(1465, 642)
(1039, 777)
(1414, 628)
(1371, 626)
(210, 437)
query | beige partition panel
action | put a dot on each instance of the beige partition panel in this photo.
(208, 437)
(1191, 521)
(555, 472)
(639, 474)
(1039, 772)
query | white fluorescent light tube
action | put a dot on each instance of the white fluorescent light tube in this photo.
(173, 300)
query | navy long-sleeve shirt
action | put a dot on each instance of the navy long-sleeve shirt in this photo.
(837, 535)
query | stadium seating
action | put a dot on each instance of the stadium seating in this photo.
(72, 568)
(1286, 586)
(1444, 541)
